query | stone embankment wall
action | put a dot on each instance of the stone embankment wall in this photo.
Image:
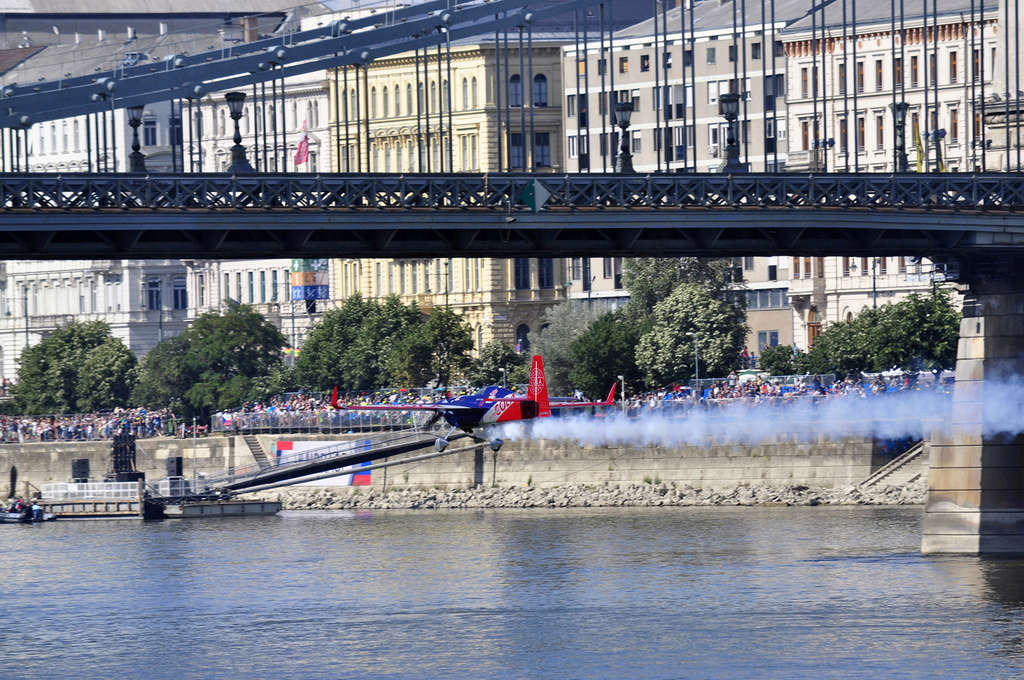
(818, 463)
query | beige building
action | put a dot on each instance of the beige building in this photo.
(685, 115)
(598, 280)
(501, 299)
(859, 134)
(855, 120)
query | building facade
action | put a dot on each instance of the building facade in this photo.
(418, 124)
(143, 301)
(841, 120)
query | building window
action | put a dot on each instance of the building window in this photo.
(522, 338)
(804, 82)
(842, 79)
(732, 53)
(522, 273)
(623, 64)
(897, 72)
(711, 55)
(273, 286)
(180, 292)
(879, 131)
(540, 90)
(516, 152)
(878, 75)
(954, 126)
(252, 288)
(149, 133)
(153, 298)
(860, 76)
(263, 286)
(201, 282)
(860, 133)
(637, 142)
(570, 105)
(846, 266)
(645, 62)
(546, 273)
(515, 90)
(542, 150)
(755, 51)
(577, 269)
(953, 67)
(913, 71)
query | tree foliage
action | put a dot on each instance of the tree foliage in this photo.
(561, 325)
(221, 361)
(434, 351)
(78, 367)
(665, 353)
(778, 360)
(496, 355)
(606, 350)
(652, 279)
(919, 332)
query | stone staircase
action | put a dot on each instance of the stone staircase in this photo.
(901, 470)
(257, 450)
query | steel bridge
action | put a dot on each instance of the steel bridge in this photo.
(220, 216)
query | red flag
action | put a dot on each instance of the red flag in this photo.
(302, 151)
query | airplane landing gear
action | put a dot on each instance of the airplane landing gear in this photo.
(441, 443)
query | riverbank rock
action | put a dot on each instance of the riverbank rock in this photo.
(588, 495)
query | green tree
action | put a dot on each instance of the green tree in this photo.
(916, 333)
(219, 362)
(436, 350)
(777, 360)
(562, 324)
(606, 350)
(322, 362)
(652, 279)
(107, 376)
(494, 356)
(58, 374)
(690, 315)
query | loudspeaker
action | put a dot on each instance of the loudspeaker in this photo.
(174, 466)
(128, 476)
(79, 469)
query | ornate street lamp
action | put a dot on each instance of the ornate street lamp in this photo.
(729, 108)
(239, 163)
(899, 116)
(624, 163)
(136, 160)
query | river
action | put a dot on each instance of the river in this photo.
(814, 592)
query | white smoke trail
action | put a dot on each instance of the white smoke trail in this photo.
(895, 415)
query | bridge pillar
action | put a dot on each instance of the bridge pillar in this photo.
(975, 501)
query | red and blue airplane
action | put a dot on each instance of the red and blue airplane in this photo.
(491, 405)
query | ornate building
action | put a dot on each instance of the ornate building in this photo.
(414, 127)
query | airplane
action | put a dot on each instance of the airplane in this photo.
(489, 406)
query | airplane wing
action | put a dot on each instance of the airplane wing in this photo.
(610, 401)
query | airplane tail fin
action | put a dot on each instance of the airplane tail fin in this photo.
(334, 398)
(537, 390)
(610, 401)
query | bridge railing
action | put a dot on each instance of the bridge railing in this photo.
(505, 192)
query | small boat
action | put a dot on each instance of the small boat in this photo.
(24, 517)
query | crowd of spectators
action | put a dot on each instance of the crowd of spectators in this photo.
(303, 410)
(140, 422)
(765, 390)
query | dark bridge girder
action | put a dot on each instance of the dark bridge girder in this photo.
(219, 216)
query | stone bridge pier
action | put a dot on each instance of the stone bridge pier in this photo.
(975, 499)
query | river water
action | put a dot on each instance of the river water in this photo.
(579, 593)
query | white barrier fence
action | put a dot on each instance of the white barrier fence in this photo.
(70, 490)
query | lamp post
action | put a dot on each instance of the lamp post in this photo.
(622, 397)
(239, 163)
(937, 137)
(503, 376)
(624, 162)
(696, 357)
(899, 115)
(136, 160)
(729, 108)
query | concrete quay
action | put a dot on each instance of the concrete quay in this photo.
(817, 462)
